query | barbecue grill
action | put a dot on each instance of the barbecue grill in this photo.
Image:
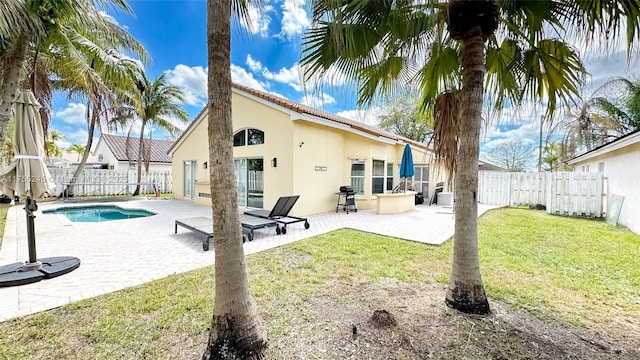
(349, 201)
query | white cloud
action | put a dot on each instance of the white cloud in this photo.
(368, 116)
(78, 137)
(239, 75)
(254, 65)
(108, 17)
(290, 76)
(524, 133)
(317, 101)
(258, 22)
(604, 68)
(192, 80)
(294, 19)
(74, 114)
(333, 77)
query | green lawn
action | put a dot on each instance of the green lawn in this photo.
(575, 270)
(3, 219)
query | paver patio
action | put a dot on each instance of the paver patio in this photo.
(124, 253)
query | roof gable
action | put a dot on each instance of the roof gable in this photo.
(129, 152)
(304, 111)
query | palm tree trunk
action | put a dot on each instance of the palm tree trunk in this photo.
(140, 155)
(12, 81)
(466, 291)
(87, 149)
(236, 329)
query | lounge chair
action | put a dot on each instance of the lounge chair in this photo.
(204, 226)
(280, 213)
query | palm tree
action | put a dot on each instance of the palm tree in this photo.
(102, 95)
(60, 29)
(446, 48)
(150, 104)
(78, 149)
(6, 154)
(611, 111)
(236, 330)
(52, 149)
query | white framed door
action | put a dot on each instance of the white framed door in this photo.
(421, 179)
(189, 179)
(250, 181)
(240, 166)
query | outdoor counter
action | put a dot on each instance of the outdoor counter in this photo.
(396, 203)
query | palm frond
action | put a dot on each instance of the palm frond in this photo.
(446, 130)
(553, 70)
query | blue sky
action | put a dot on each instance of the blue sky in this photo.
(265, 58)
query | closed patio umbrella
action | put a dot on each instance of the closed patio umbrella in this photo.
(28, 176)
(406, 165)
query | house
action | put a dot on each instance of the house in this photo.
(286, 148)
(485, 166)
(619, 161)
(70, 160)
(114, 151)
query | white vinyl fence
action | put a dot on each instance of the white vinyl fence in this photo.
(255, 180)
(562, 193)
(111, 182)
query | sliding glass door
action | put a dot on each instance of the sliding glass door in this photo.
(250, 182)
(189, 179)
(240, 166)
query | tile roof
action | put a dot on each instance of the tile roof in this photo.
(118, 146)
(304, 109)
(308, 110)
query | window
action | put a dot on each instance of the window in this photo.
(255, 137)
(239, 138)
(390, 176)
(248, 137)
(377, 178)
(357, 176)
(601, 166)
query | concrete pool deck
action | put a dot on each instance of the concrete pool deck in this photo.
(123, 253)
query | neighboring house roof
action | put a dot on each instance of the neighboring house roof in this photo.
(483, 165)
(623, 141)
(118, 146)
(307, 113)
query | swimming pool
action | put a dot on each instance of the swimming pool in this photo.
(97, 213)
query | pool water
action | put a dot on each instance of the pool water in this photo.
(98, 213)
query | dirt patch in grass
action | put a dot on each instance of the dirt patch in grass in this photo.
(317, 299)
(323, 328)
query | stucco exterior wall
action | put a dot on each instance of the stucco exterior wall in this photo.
(195, 148)
(313, 157)
(107, 155)
(278, 130)
(318, 166)
(622, 172)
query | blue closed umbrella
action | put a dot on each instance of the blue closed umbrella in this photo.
(406, 165)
